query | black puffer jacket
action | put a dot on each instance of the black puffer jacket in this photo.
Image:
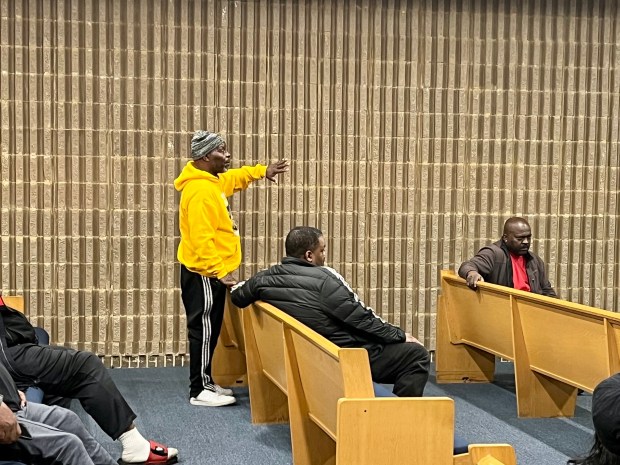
(322, 300)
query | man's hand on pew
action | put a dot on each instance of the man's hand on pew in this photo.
(410, 338)
(472, 279)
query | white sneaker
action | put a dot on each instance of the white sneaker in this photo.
(223, 391)
(211, 399)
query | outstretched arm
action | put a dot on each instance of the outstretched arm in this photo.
(237, 179)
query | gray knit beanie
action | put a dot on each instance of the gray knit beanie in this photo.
(205, 142)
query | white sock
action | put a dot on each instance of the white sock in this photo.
(135, 447)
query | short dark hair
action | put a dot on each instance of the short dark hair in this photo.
(300, 239)
(512, 222)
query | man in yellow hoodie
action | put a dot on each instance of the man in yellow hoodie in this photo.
(210, 252)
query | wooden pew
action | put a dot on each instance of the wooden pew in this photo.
(264, 338)
(229, 366)
(558, 346)
(14, 301)
(334, 416)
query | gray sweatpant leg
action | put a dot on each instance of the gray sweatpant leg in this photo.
(58, 433)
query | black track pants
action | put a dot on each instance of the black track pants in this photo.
(204, 300)
(74, 374)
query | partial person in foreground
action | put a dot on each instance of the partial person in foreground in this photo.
(509, 262)
(75, 374)
(37, 433)
(320, 298)
(210, 252)
(606, 420)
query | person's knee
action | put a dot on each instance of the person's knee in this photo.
(419, 353)
(89, 367)
(71, 449)
(55, 416)
(427, 357)
(418, 358)
(65, 415)
(71, 441)
(195, 333)
(90, 360)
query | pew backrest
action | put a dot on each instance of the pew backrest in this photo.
(557, 346)
(14, 301)
(265, 324)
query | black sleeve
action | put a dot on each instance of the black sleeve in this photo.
(244, 293)
(340, 303)
(545, 284)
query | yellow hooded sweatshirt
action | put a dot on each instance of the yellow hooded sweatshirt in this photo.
(210, 243)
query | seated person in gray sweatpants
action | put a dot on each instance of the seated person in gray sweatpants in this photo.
(39, 433)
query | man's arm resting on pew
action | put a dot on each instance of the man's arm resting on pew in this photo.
(342, 304)
(242, 294)
(482, 263)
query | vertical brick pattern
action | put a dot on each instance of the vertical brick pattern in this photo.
(414, 128)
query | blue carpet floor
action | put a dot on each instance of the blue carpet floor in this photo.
(485, 413)
(488, 413)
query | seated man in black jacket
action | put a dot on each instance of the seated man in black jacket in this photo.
(41, 434)
(509, 262)
(75, 374)
(321, 299)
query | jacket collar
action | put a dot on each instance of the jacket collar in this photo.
(296, 261)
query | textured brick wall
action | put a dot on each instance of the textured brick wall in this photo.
(414, 129)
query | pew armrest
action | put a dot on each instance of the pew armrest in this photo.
(395, 430)
(492, 454)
